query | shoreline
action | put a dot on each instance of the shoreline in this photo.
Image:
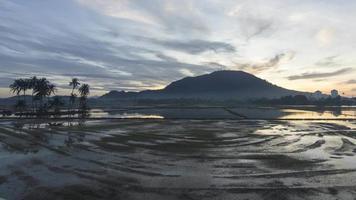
(203, 119)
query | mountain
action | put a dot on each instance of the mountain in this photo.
(217, 85)
(120, 94)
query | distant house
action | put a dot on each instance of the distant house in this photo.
(334, 93)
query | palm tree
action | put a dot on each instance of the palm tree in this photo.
(44, 89)
(74, 84)
(15, 87)
(51, 89)
(84, 91)
(32, 82)
(41, 88)
(25, 86)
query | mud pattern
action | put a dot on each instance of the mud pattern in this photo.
(178, 159)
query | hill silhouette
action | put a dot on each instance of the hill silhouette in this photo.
(217, 85)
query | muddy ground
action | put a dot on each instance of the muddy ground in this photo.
(178, 159)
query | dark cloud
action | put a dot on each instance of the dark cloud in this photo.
(194, 46)
(328, 62)
(270, 64)
(172, 17)
(253, 24)
(352, 81)
(259, 28)
(216, 65)
(144, 45)
(319, 80)
(165, 57)
(320, 75)
(197, 46)
(83, 44)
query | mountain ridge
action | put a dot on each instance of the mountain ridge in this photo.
(218, 85)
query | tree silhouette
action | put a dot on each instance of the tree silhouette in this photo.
(84, 91)
(18, 86)
(32, 82)
(74, 84)
(43, 88)
(56, 104)
(15, 87)
(51, 89)
(20, 106)
(24, 87)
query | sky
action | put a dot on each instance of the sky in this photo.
(135, 45)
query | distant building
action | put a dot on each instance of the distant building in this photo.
(334, 93)
(317, 95)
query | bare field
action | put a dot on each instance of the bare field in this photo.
(178, 159)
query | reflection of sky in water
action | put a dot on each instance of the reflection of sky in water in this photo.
(330, 142)
(98, 113)
(185, 154)
(307, 114)
(236, 113)
(138, 115)
(226, 113)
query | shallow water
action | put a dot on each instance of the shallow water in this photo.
(179, 159)
(231, 113)
(254, 113)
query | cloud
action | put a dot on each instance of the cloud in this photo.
(320, 75)
(216, 65)
(104, 55)
(251, 22)
(325, 36)
(165, 57)
(255, 26)
(329, 61)
(351, 81)
(171, 16)
(198, 46)
(135, 44)
(269, 64)
(186, 72)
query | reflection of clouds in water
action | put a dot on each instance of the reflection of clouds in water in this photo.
(327, 113)
(217, 113)
(164, 156)
(231, 113)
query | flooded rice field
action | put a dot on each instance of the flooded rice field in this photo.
(229, 113)
(178, 159)
(247, 112)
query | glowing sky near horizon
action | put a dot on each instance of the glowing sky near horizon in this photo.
(137, 44)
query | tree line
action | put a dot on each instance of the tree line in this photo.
(42, 102)
(303, 100)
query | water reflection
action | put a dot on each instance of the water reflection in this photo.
(211, 113)
(231, 113)
(176, 155)
(320, 113)
(31, 136)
